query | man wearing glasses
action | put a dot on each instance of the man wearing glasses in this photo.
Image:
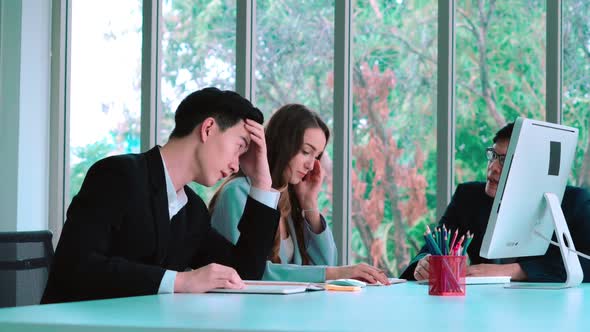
(470, 209)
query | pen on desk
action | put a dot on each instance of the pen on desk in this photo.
(461, 240)
(428, 244)
(440, 239)
(342, 288)
(430, 240)
(458, 244)
(432, 234)
(446, 241)
(452, 245)
(435, 235)
(467, 242)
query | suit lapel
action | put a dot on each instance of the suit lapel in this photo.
(159, 201)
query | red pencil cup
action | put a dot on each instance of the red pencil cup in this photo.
(446, 275)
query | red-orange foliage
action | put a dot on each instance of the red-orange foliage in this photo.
(393, 181)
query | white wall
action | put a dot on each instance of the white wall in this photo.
(24, 113)
(33, 158)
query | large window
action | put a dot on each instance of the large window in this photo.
(500, 70)
(499, 74)
(105, 83)
(576, 83)
(394, 130)
(198, 50)
(294, 64)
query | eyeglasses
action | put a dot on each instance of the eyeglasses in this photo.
(491, 155)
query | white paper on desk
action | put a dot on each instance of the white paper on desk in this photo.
(392, 281)
(479, 280)
(271, 287)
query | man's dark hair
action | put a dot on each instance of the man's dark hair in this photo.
(226, 107)
(505, 132)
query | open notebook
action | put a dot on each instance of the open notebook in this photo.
(479, 280)
(285, 287)
(272, 287)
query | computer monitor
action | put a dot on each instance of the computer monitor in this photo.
(527, 206)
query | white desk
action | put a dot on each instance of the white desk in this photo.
(404, 307)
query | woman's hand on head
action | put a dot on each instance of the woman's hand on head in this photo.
(309, 188)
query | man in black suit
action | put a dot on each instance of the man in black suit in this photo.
(136, 228)
(470, 210)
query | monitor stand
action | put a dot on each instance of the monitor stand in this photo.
(571, 262)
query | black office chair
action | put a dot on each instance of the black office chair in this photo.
(25, 258)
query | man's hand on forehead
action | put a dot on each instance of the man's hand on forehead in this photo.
(254, 162)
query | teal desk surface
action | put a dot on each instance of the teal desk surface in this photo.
(404, 307)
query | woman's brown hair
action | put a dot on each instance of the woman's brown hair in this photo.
(284, 138)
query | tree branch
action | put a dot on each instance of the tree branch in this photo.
(411, 48)
(473, 28)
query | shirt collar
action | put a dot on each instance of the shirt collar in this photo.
(176, 199)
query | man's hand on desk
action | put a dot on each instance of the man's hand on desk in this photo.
(479, 270)
(207, 278)
(489, 270)
(422, 268)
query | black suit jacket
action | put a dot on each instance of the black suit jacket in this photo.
(118, 239)
(470, 209)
